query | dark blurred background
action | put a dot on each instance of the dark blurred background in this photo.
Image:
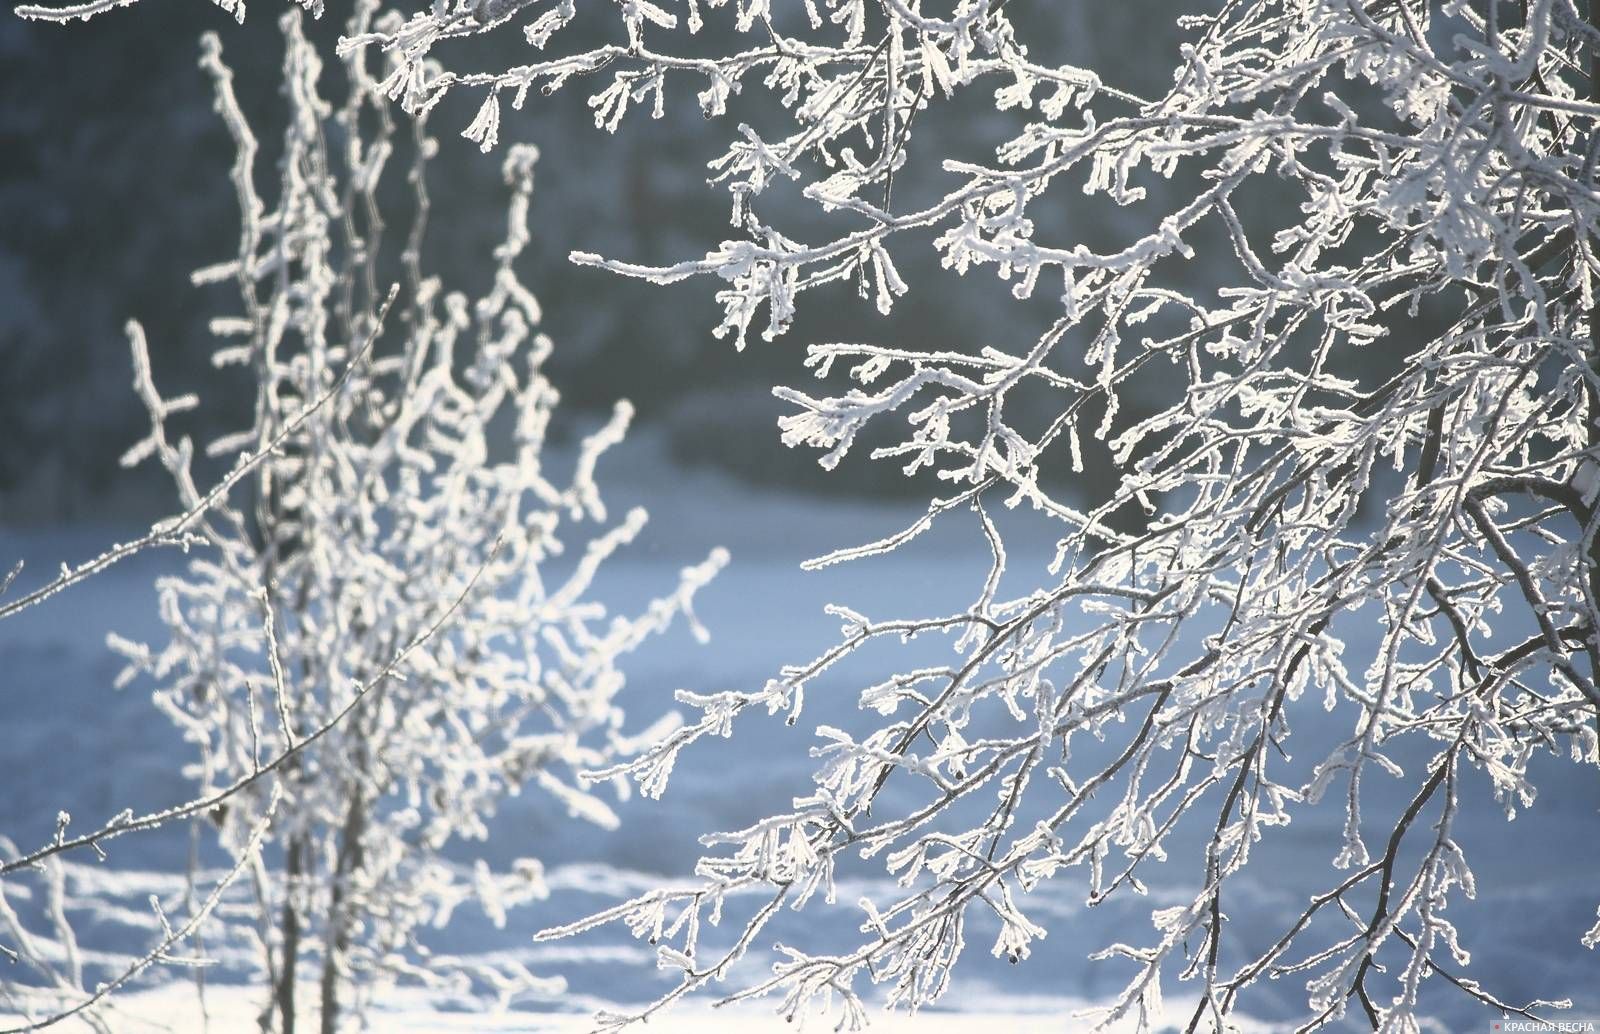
(113, 188)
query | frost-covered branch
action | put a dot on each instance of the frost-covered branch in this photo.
(1409, 541)
(1417, 550)
(378, 634)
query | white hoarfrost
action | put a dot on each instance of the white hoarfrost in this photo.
(387, 622)
(1442, 155)
(1195, 615)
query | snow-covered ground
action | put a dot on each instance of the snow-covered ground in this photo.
(176, 1007)
(68, 741)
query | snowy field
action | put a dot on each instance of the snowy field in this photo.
(70, 742)
(176, 1007)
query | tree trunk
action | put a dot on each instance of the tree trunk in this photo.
(291, 935)
(350, 859)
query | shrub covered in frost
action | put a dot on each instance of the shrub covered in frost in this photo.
(384, 610)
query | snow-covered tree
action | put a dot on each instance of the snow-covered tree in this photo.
(1433, 166)
(383, 603)
(1355, 249)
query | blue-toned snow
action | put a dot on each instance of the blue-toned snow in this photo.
(68, 741)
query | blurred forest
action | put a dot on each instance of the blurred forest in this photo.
(113, 188)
